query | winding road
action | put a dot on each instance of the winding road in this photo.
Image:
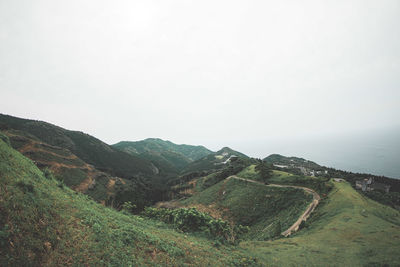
(311, 207)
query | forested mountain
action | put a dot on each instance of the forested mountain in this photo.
(158, 145)
(170, 158)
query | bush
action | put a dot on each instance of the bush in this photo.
(192, 220)
(128, 207)
(48, 174)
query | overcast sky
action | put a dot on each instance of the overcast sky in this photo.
(216, 73)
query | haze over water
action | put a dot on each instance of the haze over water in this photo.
(366, 152)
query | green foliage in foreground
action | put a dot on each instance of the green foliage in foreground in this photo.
(43, 223)
(192, 220)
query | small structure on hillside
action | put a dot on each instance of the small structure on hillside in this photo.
(281, 166)
(369, 184)
(339, 180)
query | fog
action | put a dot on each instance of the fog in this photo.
(260, 76)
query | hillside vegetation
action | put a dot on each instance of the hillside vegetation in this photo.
(268, 211)
(319, 184)
(44, 223)
(346, 230)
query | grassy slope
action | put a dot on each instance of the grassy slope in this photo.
(45, 223)
(320, 184)
(260, 207)
(346, 230)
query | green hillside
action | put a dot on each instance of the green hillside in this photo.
(346, 230)
(319, 184)
(44, 223)
(86, 147)
(267, 210)
(292, 161)
(214, 161)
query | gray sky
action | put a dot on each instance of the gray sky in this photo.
(215, 73)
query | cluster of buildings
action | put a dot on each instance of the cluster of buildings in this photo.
(303, 170)
(366, 185)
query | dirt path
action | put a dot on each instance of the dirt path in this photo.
(311, 207)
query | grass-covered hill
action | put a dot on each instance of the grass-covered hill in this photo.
(391, 198)
(88, 148)
(214, 161)
(268, 211)
(44, 223)
(292, 161)
(170, 158)
(347, 229)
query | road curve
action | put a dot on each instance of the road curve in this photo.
(311, 207)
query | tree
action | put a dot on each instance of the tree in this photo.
(265, 170)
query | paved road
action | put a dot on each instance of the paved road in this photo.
(311, 207)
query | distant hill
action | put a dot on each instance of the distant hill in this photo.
(158, 145)
(167, 156)
(302, 166)
(292, 161)
(214, 161)
(88, 148)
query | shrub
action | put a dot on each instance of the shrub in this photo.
(26, 187)
(48, 174)
(192, 220)
(128, 207)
